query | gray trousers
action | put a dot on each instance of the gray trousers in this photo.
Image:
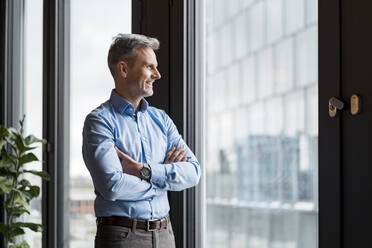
(110, 236)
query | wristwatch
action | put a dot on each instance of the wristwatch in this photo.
(145, 172)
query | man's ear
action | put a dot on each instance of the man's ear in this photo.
(122, 69)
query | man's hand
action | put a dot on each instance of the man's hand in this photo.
(128, 164)
(175, 155)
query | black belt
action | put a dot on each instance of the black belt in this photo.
(148, 225)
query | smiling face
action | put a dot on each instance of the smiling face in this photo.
(140, 76)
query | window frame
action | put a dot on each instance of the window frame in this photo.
(199, 124)
(56, 90)
(3, 88)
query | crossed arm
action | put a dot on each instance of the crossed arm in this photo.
(119, 180)
(130, 166)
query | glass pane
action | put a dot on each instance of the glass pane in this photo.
(33, 97)
(261, 124)
(93, 24)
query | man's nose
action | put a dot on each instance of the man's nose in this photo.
(157, 74)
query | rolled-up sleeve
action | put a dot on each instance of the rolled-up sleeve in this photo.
(180, 175)
(104, 165)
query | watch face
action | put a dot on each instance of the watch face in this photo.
(145, 172)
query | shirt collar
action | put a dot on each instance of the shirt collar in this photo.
(122, 105)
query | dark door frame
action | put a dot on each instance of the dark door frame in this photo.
(356, 132)
(330, 163)
(173, 23)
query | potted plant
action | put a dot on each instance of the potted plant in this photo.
(15, 152)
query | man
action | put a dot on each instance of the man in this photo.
(134, 153)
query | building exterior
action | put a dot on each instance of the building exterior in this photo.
(262, 133)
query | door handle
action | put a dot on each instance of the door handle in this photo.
(335, 104)
(355, 104)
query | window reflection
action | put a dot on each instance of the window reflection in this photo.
(261, 123)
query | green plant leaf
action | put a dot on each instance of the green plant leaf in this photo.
(10, 138)
(18, 198)
(13, 145)
(42, 174)
(4, 228)
(5, 161)
(20, 143)
(34, 190)
(7, 203)
(17, 211)
(8, 171)
(3, 131)
(2, 142)
(31, 139)
(4, 135)
(33, 226)
(27, 158)
(29, 148)
(16, 232)
(23, 244)
(26, 196)
(14, 152)
(8, 158)
(15, 133)
(24, 182)
(12, 130)
(6, 185)
(29, 192)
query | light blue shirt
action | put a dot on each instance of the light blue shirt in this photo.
(146, 137)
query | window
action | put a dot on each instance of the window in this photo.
(261, 123)
(31, 83)
(93, 25)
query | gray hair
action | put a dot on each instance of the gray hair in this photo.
(123, 48)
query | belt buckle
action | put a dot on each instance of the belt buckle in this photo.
(148, 226)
